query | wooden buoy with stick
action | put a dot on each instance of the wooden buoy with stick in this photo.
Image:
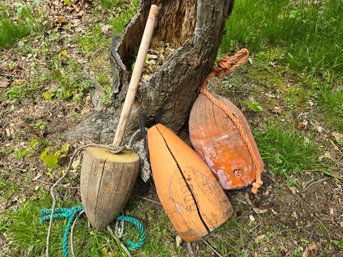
(108, 177)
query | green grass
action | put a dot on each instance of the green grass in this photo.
(22, 91)
(72, 82)
(331, 102)
(118, 23)
(94, 39)
(309, 32)
(11, 31)
(287, 152)
(28, 235)
(111, 3)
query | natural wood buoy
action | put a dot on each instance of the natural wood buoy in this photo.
(107, 179)
(218, 141)
(190, 194)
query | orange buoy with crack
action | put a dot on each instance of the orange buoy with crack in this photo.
(221, 135)
(189, 192)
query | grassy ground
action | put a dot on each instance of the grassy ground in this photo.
(54, 52)
(11, 30)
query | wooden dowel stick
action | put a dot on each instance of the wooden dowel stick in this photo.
(136, 74)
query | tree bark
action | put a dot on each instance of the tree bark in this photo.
(195, 27)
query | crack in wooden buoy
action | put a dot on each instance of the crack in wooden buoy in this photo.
(107, 181)
(189, 192)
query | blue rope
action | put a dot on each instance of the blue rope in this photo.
(71, 214)
(132, 245)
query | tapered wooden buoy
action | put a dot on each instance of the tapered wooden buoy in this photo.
(190, 194)
(218, 141)
(107, 181)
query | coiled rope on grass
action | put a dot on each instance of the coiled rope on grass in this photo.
(54, 210)
(71, 214)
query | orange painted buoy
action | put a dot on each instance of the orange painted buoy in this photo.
(221, 135)
(189, 192)
(216, 138)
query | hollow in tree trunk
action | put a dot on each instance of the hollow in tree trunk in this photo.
(195, 28)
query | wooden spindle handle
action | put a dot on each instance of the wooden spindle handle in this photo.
(136, 74)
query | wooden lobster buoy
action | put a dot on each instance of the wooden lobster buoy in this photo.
(218, 141)
(190, 194)
(107, 179)
(220, 133)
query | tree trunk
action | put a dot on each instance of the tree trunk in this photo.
(195, 27)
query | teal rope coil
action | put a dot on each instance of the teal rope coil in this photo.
(132, 245)
(71, 214)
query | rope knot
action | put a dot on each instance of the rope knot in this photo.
(256, 185)
(228, 64)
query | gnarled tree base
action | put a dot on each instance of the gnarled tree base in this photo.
(196, 28)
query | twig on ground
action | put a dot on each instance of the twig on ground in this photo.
(49, 183)
(321, 223)
(149, 200)
(118, 240)
(72, 233)
(212, 248)
(316, 182)
(190, 250)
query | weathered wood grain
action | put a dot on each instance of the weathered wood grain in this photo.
(106, 183)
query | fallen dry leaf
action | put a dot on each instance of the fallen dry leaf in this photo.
(319, 129)
(326, 155)
(294, 190)
(105, 28)
(178, 240)
(295, 215)
(4, 84)
(335, 147)
(277, 110)
(259, 238)
(247, 198)
(303, 125)
(310, 103)
(260, 211)
(338, 137)
(337, 174)
(309, 248)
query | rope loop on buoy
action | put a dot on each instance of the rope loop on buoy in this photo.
(226, 65)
